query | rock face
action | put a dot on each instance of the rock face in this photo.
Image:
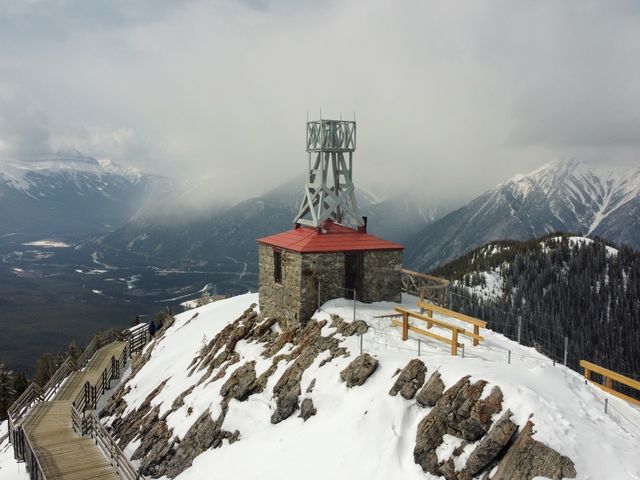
(461, 412)
(411, 378)
(357, 372)
(431, 392)
(491, 445)
(528, 458)
(454, 413)
(357, 327)
(241, 383)
(307, 409)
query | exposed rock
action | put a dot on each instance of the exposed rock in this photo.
(449, 411)
(357, 327)
(174, 457)
(241, 383)
(479, 420)
(411, 378)
(307, 409)
(361, 368)
(179, 400)
(125, 429)
(528, 458)
(431, 392)
(311, 386)
(489, 448)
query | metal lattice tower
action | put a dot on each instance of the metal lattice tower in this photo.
(329, 191)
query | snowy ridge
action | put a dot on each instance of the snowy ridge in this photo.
(363, 432)
(574, 185)
(17, 172)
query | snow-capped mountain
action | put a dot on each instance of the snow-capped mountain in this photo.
(70, 195)
(571, 196)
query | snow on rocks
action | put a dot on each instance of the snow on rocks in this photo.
(359, 432)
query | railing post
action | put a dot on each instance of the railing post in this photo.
(566, 349)
(519, 328)
(354, 304)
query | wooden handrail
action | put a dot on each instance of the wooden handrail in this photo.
(477, 323)
(609, 377)
(455, 330)
(452, 313)
(135, 338)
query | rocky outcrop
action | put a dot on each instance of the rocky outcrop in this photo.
(490, 447)
(449, 413)
(410, 380)
(307, 409)
(357, 372)
(356, 327)
(431, 392)
(174, 456)
(241, 383)
(527, 458)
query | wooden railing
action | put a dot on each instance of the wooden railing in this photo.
(609, 377)
(112, 451)
(475, 322)
(136, 339)
(406, 314)
(426, 287)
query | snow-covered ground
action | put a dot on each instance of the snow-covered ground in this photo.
(363, 432)
(9, 468)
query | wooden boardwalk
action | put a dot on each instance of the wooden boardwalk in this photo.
(63, 454)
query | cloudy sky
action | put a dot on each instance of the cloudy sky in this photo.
(450, 96)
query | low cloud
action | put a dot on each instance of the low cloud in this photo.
(450, 97)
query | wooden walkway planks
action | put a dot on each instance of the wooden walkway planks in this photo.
(61, 453)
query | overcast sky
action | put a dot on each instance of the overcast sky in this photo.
(452, 96)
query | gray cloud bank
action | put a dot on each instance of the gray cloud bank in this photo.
(450, 97)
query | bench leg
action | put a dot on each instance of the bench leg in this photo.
(454, 343)
(476, 331)
(405, 326)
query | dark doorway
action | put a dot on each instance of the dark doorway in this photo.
(353, 267)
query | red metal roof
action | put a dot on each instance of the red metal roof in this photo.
(333, 238)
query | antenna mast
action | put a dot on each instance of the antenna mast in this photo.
(329, 191)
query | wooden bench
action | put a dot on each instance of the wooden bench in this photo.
(406, 314)
(477, 324)
(609, 377)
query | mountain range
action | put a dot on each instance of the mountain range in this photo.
(70, 195)
(569, 196)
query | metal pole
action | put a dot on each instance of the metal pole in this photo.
(450, 306)
(318, 294)
(566, 349)
(463, 350)
(606, 404)
(418, 347)
(360, 344)
(509, 357)
(519, 327)
(354, 304)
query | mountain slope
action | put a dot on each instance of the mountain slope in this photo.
(71, 195)
(560, 196)
(557, 286)
(222, 386)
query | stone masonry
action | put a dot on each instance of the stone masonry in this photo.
(295, 298)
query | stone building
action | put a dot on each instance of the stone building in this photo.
(304, 267)
(328, 254)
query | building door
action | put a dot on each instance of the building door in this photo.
(353, 266)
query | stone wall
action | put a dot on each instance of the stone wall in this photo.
(326, 268)
(296, 298)
(381, 278)
(280, 300)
